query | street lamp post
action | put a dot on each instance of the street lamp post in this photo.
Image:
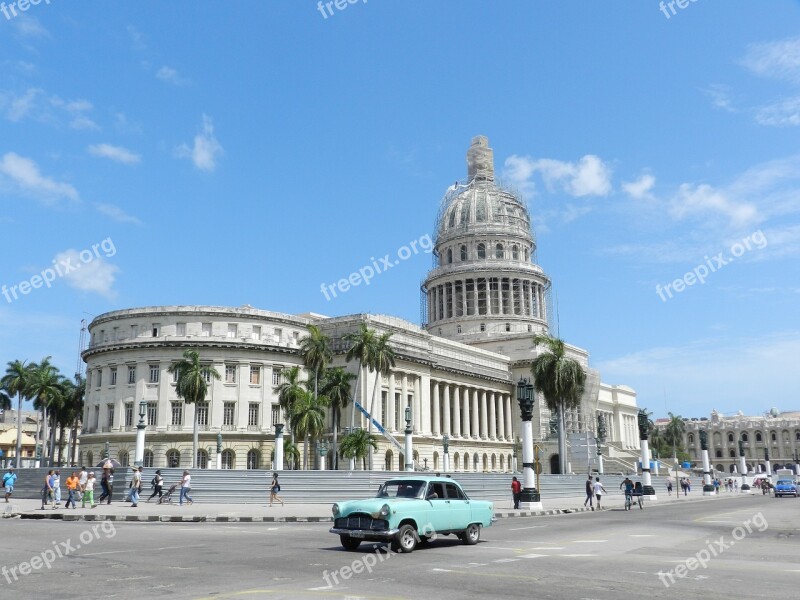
(277, 464)
(409, 444)
(644, 432)
(219, 451)
(745, 487)
(530, 498)
(796, 457)
(138, 455)
(601, 437)
(322, 447)
(767, 463)
(446, 453)
(708, 487)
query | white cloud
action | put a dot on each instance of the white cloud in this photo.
(205, 150)
(24, 175)
(588, 177)
(77, 112)
(703, 199)
(785, 113)
(641, 188)
(137, 38)
(779, 59)
(20, 107)
(721, 98)
(30, 27)
(115, 153)
(96, 276)
(170, 75)
(116, 213)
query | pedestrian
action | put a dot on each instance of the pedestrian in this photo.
(716, 486)
(186, 486)
(669, 487)
(683, 486)
(516, 491)
(736, 485)
(56, 488)
(73, 483)
(274, 488)
(589, 493)
(599, 490)
(135, 486)
(82, 477)
(47, 489)
(88, 491)
(157, 484)
(107, 483)
(9, 479)
(688, 485)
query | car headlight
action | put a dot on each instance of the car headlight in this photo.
(335, 509)
(385, 510)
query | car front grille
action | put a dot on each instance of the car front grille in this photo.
(361, 521)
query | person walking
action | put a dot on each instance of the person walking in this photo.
(72, 489)
(9, 479)
(47, 489)
(107, 484)
(186, 486)
(628, 485)
(516, 491)
(88, 491)
(599, 490)
(589, 493)
(274, 488)
(158, 485)
(82, 477)
(56, 488)
(135, 486)
(669, 487)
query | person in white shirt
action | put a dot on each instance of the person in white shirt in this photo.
(88, 491)
(186, 485)
(599, 490)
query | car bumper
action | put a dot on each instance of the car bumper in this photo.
(367, 534)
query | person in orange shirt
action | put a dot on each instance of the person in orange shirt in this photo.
(73, 482)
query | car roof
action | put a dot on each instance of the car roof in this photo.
(428, 478)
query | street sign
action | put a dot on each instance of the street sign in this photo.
(537, 467)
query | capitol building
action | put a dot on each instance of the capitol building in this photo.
(483, 302)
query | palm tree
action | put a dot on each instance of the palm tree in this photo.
(75, 403)
(561, 380)
(15, 382)
(5, 401)
(362, 347)
(357, 445)
(291, 456)
(288, 390)
(315, 349)
(308, 419)
(673, 432)
(192, 387)
(45, 389)
(383, 361)
(336, 386)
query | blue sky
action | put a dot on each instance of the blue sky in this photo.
(248, 152)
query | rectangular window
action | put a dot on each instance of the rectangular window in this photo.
(180, 329)
(152, 413)
(207, 375)
(177, 413)
(276, 376)
(88, 379)
(384, 407)
(102, 336)
(99, 378)
(154, 372)
(156, 329)
(202, 413)
(134, 331)
(255, 375)
(276, 414)
(230, 373)
(175, 376)
(232, 330)
(256, 334)
(110, 415)
(115, 334)
(113, 376)
(252, 415)
(206, 329)
(131, 374)
(278, 335)
(228, 411)
(96, 416)
(129, 414)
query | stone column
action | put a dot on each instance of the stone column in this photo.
(456, 411)
(476, 427)
(501, 418)
(437, 415)
(401, 410)
(484, 419)
(475, 295)
(424, 390)
(416, 414)
(500, 295)
(465, 420)
(509, 420)
(446, 415)
(492, 416)
(391, 409)
(277, 464)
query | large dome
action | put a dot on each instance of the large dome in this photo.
(480, 204)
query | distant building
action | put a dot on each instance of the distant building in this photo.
(8, 437)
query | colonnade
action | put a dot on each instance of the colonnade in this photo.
(486, 296)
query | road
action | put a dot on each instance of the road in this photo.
(748, 547)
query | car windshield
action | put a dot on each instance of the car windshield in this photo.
(401, 488)
(784, 482)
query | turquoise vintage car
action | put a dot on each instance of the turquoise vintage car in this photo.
(410, 510)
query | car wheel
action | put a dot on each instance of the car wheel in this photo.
(349, 543)
(471, 535)
(407, 539)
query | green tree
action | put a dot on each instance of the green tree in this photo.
(44, 387)
(192, 387)
(291, 456)
(308, 419)
(336, 387)
(674, 431)
(362, 348)
(15, 383)
(5, 400)
(315, 348)
(561, 381)
(74, 415)
(357, 445)
(288, 390)
(383, 361)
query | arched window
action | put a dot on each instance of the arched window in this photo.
(90, 459)
(466, 461)
(494, 462)
(732, 453)
(485, 462)
(456, 462)
(388, 461)
(458, 328)
(463, 253)
(449, 256)
(173, 459)
(718, 453)
(481, 250)
(797, 436)
(691, 438)
(508, 326)
(202, 459)
(502, 462)
(452, 222)
(124, 458)
(773, 436)
(435, 461)
(515, 252)
(148, 458)
(228, 459)
(525, 253)
(253, 459)
(498, 251)
(744, 437)
(758, 436)
(730, 438)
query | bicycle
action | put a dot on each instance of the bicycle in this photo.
(640, 499)
(628, 501)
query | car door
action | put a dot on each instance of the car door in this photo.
(438, 508)
(459, 509)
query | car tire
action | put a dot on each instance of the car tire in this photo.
(471, 535)
(407, 540)
(349, 543)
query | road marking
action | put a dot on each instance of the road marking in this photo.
(505, 560)
(642, 535)
(575, 555)
(109, 552)
(548, 548)
(531, 527)
(442, 570)
(476, 564)
(497, 548)
(589, 541)
(532, 555)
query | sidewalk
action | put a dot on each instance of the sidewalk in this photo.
(290, 513)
